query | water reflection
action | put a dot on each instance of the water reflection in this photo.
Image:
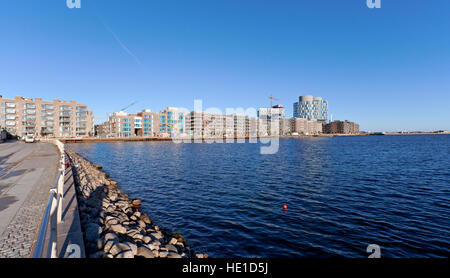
(342, 194)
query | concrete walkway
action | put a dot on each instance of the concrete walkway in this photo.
(70, 242)
(27, 173)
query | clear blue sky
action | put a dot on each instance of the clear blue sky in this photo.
(387, 69)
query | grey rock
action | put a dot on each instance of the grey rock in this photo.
(145, 252)
(125, 255)
(119, 248)
(163, 254)
(138, 236)
(171, 248)
(117, 228)
(174, 255)
(157, 235)
(133, 247)
(111, 237)
(141, 224)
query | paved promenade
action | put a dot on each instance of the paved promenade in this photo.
(27, 172)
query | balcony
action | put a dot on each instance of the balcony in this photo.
(81, 108)
(65, 108)
(64, 119)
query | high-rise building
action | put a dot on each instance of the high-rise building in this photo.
(23, 116)
(309, 107)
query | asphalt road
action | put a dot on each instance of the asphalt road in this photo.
(27, 173)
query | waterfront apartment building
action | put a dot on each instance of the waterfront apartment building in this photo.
(202, 124)
(103, 130)
(121, 124)
(150, 123)
(341, 127)
(309, 107)
(172, 122)
(23, 116)
(305, 126)
(168, 122)
(272, 120)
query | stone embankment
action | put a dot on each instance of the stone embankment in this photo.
(113, 225)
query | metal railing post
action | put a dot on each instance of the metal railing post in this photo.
(62, 170)
(60, 193)
(53, 248)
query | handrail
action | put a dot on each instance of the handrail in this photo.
(39, 247)
(53, 211)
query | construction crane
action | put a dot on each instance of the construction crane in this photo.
(271, 100)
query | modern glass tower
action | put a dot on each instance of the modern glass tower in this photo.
(309, 107)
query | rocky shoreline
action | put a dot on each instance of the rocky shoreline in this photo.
(113, 225)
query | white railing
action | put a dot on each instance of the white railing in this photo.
(53, 212)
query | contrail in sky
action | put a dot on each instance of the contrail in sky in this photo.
(122, 45)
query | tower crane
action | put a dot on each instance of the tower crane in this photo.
(272, 99)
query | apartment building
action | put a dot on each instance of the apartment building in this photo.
(150, 123)
(341, 127)
(22, 116)
(241, 127)
(172, 122)
(202, 124)
(305, 126)
(122, 124)
(103, 130)
(271, 119)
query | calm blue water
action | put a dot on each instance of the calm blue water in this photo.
(342, 194)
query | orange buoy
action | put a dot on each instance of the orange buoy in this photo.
(284, 207)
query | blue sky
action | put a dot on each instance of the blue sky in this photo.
(387, 69)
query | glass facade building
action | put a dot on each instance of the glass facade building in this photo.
(312, 108)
